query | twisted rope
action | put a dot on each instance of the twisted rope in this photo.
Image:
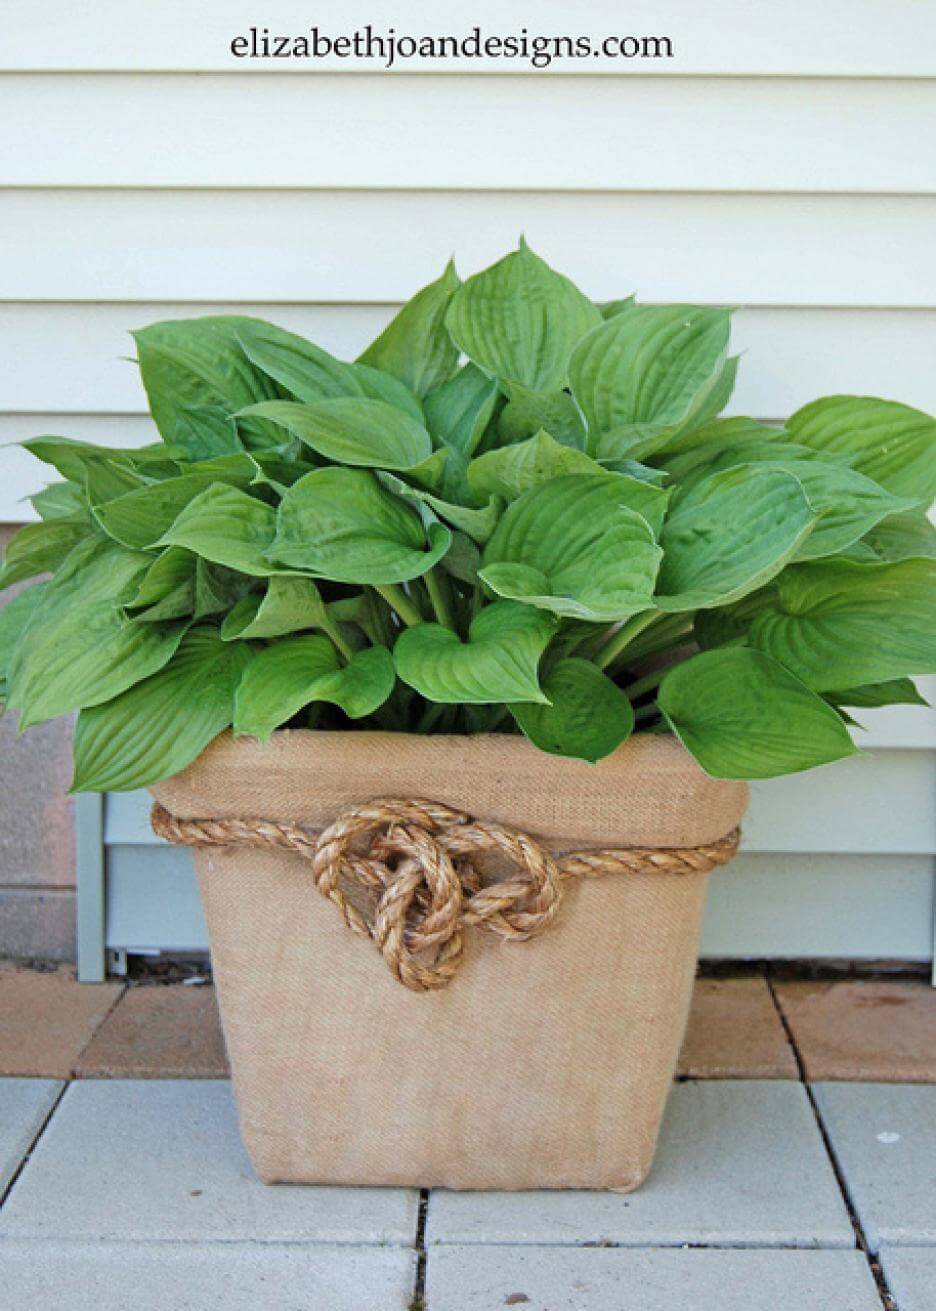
(414, 860)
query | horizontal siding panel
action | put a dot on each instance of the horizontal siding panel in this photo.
(845, 808)
(836, 38)
(623, 134)
(781, 907)
(814, 907)
(377, 247)
(71, 358)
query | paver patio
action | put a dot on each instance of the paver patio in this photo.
(767, 1193)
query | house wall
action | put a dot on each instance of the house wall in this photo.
(782, 161)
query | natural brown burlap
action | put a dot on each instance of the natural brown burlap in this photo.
(545, 1064)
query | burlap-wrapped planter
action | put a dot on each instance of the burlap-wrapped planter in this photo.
(541, 1064)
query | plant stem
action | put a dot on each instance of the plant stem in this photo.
(663, 633)
(624, 635)
(437, 587)
(333, 630)
(397, 599)
(647, 683)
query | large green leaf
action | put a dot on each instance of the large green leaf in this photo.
(14, 616)
(729, 534)
(687, 450)
(415, 346)
(839, 623)
(654, 365)
(342, 524)
(509, 471)
(575, 547)
(458, 412)
(519, 321)
(742, 715)
(79, 648)
(529, 411)
(310, 374)
(902, 537)
(588, 716)
(72, 458)
(39, 547)
(205, 432)
(891, 443)
(65, 500)
(352, 430)
(155, 729)
(287, 606)
(291, 674)
(478, 521)
(167, 589)
(498, 662)
(228, 527)
(200, 362)
(139, 518)
(893, 692)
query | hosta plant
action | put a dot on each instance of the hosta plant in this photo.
(519, 511)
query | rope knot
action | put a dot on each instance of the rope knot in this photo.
(412, 875)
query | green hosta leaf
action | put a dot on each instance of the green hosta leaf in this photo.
(654, 365)
(415, 346)
(60, 501)
(206, 432)
(463, 559)
(155, 729)
(291, 674)
(588, 716)
(509, 471)
(685, 451)
(572, 546)
(139, 518)
(39, 547)
(894, 692)
(839, 623)
(519, 321)
(287, 606)
(497, 663)
(14, 616)
(71, 458)
(352, 430)
(189, 363)
(847, 503)
(742, 715)
(527, 412)
(610, 309)
(228, 527)
(903, 536)
(891, 443)
(342, 524)
(478, 522)
(167, 589)
(79, 648)
(310, 374)
(458, 413)
(729, 534)
(218, 589)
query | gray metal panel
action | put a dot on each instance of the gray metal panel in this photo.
(89, 863)
(152, 900)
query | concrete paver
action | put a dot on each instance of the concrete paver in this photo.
(740, 1163)
(162, 1159)
(884, 1138)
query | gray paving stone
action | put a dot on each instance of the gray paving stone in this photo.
(129, 1159)
(640, 1279)
(911, 1276)
(24, 1105)
(47, 1276)
(740, 1164)
(884, 1138)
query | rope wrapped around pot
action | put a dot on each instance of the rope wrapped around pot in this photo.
(414, 861)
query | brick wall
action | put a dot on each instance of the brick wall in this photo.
(37, 840)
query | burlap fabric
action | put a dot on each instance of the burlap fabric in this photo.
(544, 1064)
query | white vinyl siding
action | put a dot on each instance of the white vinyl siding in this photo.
(784, 161)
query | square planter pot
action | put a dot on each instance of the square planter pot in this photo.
(543, 1063)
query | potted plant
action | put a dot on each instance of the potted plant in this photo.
(476, 638)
